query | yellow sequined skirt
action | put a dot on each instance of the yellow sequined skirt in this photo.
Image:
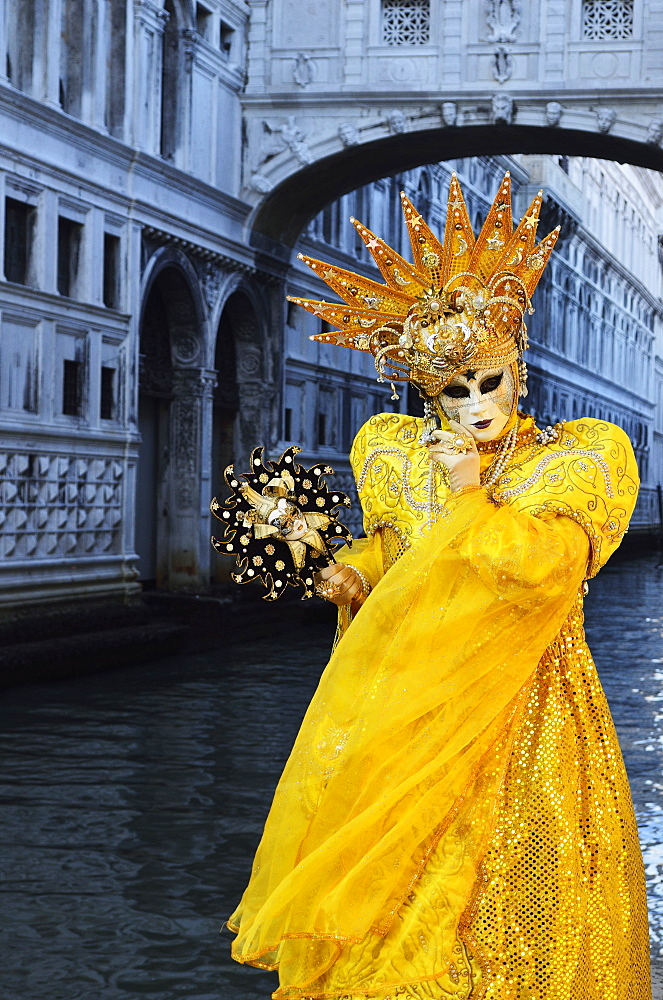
(558, 911)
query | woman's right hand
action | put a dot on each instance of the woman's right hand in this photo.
(343, 583)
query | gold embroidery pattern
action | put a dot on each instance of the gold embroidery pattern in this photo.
(556, 475)
(392, 470)
(585, 475)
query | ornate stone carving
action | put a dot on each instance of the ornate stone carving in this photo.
(249, 363)
(60, 506)
(501, 109)
(449, 112)
(554, 112)
(609, 19)
(211, 281)
(396, 122)
(348, 134)
(503, 19)
(186, 435)
(303, 72)
(186, 347)
(193, 383)
(502, 65)
(260, 183)
(605, 119)
(279, 137)
(295, 141)
(655, 132)
(405, 22)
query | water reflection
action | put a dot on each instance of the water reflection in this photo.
(133, 802)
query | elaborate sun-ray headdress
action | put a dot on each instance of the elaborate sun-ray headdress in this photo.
(461, 303)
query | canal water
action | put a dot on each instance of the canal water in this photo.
(132, 801)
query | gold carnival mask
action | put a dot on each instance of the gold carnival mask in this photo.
(461, 303)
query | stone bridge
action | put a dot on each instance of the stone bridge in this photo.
(340, 94)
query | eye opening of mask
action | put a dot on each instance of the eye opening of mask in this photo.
(456, 391)
(491, 383)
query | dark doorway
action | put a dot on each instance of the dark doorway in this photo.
(169, 319)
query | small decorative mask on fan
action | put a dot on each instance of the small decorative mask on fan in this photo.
(280, 522)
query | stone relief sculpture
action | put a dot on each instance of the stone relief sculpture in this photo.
(503, 18)
(655, 132)
(260, 183)
(605, 119)
(304, 70)
(501, 111)
(348, 134)
(449, 112)
(279, 137)
(396, 122)
(211, 281)
(186, 348)
(502, 65)
(554, 111)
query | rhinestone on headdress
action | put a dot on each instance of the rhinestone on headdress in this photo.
(460, 301)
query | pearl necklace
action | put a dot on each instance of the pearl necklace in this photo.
(503, 456)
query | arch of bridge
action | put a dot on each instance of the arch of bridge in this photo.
(295, 191)
(333, 100)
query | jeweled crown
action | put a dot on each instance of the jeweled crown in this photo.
(460, 304)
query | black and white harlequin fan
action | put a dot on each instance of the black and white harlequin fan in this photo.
(280, 522)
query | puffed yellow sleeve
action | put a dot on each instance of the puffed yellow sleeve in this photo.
(589, 475)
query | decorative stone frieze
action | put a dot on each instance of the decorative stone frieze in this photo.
(503, 19)
(58, 505)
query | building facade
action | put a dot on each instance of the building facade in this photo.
(146, 341)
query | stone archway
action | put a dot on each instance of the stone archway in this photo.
(175, 391)
(296, 192)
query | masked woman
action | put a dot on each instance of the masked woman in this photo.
(455, 820)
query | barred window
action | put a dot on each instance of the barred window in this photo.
(406, 22)
(607, 19)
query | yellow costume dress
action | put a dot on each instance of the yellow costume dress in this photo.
(455, 820)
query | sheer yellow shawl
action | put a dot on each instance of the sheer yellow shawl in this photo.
(414, 709)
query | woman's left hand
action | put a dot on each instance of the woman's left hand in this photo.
(464, 466)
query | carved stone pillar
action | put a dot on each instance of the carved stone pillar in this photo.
(190, 479)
